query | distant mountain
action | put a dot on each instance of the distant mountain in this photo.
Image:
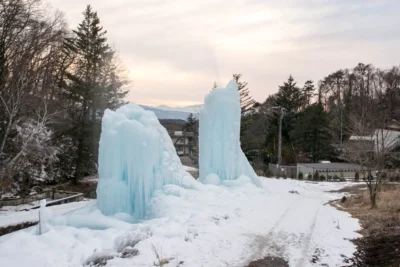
(171, 114)
(195, 109)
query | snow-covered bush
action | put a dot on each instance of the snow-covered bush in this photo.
(35, 150)
(30, 155)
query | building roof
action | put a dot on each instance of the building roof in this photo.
(332, 166)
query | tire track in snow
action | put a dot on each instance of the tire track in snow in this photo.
(304, 253)
(261, 242)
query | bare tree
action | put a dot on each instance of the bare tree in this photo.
(372, 145)
(31, 68)
(27, 45)
(32, 145)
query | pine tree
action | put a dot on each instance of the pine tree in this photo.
(308, 92)
(290, 97)
(191, 124)
(246, 101)
(94, 86)
(311, 133)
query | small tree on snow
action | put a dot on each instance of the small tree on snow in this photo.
(372, 149)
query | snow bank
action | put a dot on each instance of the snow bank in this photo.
(219, 140)
(136, 157)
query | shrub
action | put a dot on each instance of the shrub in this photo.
(268, 172)
(316, 176)
(336, 178)
(322, 178)
(357, 177)
(309, 177)
(300, 176)
(384, 176)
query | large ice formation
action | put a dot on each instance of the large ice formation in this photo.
(219, 140)
(136, 158)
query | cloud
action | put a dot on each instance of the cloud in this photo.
(176, 50)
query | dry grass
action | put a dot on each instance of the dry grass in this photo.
(374, 221)
(380, 244)
(161, 261)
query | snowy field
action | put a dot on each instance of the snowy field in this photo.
(209, 226)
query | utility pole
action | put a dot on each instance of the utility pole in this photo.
(341, 127)
(280, 138)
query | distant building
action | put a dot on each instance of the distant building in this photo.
(387, 139)
(183, 142)
(341, 170)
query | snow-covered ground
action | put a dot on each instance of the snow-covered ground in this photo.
(210, 226)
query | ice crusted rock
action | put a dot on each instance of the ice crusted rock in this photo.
(132, 237)
(219, 140)
(136, 157)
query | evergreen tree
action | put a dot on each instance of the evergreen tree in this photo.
(94, 85)
(308, 93)
(311, 133)
(246, 101)
(191, 124)
(290, 97)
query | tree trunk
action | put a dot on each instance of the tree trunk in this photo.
(373, 199)
(94, 110)
(3, 142)
(81, 145)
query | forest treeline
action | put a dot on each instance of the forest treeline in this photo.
(55, 84)
(318, 119)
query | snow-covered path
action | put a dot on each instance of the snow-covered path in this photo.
(298, 231)
(214, 226)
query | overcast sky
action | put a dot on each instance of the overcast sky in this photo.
(175, 50)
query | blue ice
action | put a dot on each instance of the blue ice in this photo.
(136, 157)
(219, 139)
